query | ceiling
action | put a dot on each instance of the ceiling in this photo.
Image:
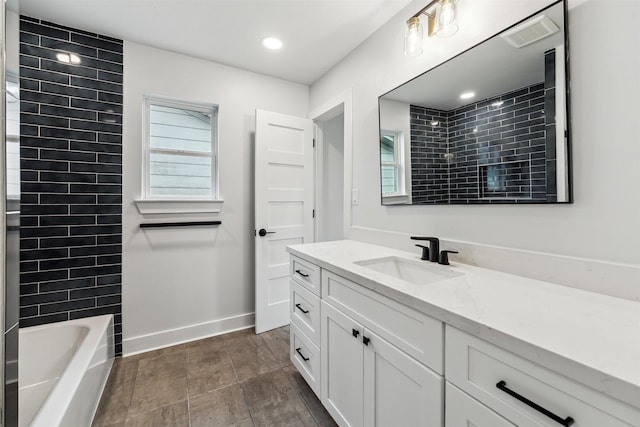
(316, 34)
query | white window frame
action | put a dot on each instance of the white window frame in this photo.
(398, 165)
(212, 109)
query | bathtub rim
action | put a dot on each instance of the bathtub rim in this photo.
(57, 402)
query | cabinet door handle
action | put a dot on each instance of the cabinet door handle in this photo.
(301, 309)
(301, 273)
(355, 333)
(365, 340)
(301, 355)
(566, 422)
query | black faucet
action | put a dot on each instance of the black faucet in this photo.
(434, 247)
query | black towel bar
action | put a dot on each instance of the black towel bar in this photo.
(178, 224)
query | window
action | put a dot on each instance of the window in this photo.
(181, 150)
(391, 163)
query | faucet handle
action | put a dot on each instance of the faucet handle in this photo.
(425, 252)
(444, 257)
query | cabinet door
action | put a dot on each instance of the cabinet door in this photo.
(398, 390)
(463, 410)
(341, 372)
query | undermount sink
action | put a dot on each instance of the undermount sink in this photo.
(416, 272)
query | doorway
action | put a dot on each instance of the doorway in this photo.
(330, 177)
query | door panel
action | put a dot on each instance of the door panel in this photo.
(398, 390)
(283, 207)
(341, 372)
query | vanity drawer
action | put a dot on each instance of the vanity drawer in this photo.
(305, 312)
(305, 273)
(463, 410)
(416, 334)
(493, 375)
(306, 357)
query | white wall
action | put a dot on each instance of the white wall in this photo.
(182, 284)
(331, 218)
(604, 221)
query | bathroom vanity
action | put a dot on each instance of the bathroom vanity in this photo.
(384, 338)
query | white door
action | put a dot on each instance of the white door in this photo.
(341, 371)
(284, 191)
(399, 390)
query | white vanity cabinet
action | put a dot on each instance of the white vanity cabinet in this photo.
(374, 361)
(304, 311)
(366, 381)
(381, 363)
(524, 393)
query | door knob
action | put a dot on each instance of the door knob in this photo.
(262, 232)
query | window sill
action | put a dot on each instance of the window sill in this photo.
(159, 206)
(400, 199)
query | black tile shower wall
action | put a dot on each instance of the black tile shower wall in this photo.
(429, 165)
(474, 139)
(71, 160)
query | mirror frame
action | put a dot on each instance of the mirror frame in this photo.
(568, 133)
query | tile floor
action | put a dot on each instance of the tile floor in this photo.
(237, 379)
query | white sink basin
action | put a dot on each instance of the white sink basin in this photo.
(416, 272)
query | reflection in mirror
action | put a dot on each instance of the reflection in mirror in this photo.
(488, 126)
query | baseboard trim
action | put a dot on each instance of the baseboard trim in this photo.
(144, 343)
(608, 278)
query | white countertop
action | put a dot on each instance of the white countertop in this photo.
(591, 338)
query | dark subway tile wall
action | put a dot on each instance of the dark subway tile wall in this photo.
(429, 165)
(481, 152)
(71, 159)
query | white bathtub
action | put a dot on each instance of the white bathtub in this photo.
(62, 370)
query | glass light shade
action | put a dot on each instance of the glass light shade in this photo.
(446, 18)
(413, 37)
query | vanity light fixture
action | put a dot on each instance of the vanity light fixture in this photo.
(413, 37)
(442, 19)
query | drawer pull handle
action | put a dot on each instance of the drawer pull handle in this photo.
(301, 309)
(301, 355)
(365, 340)
(355, 333)
(301, 273)
(566, 422)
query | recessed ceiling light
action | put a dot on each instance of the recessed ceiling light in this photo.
(435, 123)
(272, 43)
(467, 95)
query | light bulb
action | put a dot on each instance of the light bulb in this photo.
(413, 37)
(446, 18)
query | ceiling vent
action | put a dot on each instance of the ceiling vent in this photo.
(530, 32)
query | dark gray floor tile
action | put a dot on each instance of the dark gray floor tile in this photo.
(318, 412)
(174, 415)
(220, 408)
(273, 401)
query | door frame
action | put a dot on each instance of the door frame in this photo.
(342, 103)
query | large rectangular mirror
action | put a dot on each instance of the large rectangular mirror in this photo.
(489, 126)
